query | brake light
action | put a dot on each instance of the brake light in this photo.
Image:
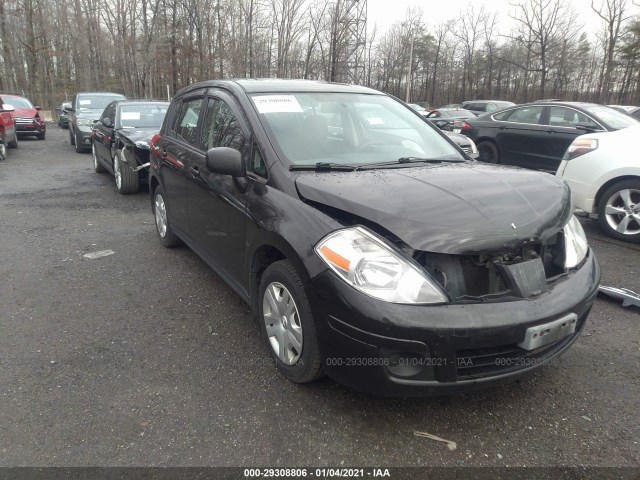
(152, 144)
(580, 146)
(464, 126)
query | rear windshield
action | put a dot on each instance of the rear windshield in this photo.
(613, 118)
(97, 101)
(149, 115)
(348, 129)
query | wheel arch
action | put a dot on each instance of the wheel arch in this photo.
(603, 188)
(271, 249)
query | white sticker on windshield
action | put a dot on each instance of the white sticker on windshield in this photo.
(85, 102)
(375, 121)
(277, 104)
(130, 115)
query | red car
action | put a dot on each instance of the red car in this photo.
(26, 116)
(8, 137)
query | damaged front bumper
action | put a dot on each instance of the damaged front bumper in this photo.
(417, 350)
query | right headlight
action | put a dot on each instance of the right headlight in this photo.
(575, 243)
(369, 264)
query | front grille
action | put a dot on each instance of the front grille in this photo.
(23, 120)
(490, 361)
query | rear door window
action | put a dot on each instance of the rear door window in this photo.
(185, 126)
(568, 117)
(529, 115)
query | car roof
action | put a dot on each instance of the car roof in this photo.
(567, 104)
(487, 101)
(12, 94)
(142, 101)
(272, 85)
(99, 93)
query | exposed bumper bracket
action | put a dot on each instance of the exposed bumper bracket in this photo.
(628, 297)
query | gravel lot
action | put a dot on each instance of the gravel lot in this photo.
(146, 357)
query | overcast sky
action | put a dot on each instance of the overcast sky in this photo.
(385, 12)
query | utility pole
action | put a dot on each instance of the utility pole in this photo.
(407, 98)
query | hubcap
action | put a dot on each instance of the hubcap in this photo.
(161, 216)
(623, 213)
(116, 172)
(282, 322)
(95, 158)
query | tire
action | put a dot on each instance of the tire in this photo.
(97, 166)
(79, 148)
(287, 323)
(488, 152)
(72, 138)
(619, 211)
(14, 142)
(3, 151)
(167, 237)
(126, 178)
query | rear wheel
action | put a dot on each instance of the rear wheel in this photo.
(287, 323)
(163, 226)
(126, 178)
(619, 211)
(488, 152)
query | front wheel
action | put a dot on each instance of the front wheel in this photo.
(287, 323)
(14, 142)
(127, 180)
(78, 145)
(97, 166)
(488, 152)
(619, 211)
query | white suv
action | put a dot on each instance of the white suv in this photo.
(603, 172)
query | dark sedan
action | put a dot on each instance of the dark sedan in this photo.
(536, 135)
(63, 120)
(451, 119)
(120, 141)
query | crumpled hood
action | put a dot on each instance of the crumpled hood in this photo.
(25, 112)
(448, 208)
(139, 134)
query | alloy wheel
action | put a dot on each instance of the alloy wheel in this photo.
(161, 216)
(282, 322)
(117, 173)
(622, 211)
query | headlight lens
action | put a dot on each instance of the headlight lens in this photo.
(474, 149)
(372, 266)
(575, 243)
(84, 122)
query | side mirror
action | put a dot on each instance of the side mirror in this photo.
(225, 161)
(69, 109)
(37, 107)
(7, 108)
(106, 121)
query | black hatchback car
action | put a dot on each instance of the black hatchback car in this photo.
(536, 135)
(368, 245)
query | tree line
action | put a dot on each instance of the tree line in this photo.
(152, 48)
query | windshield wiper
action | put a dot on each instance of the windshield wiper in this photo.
(324, 167)
(404, 160)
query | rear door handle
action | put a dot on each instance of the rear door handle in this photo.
(195, 171)
(163, 154)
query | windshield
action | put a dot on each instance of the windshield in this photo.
(461, 113)
(615, 119)
(17, 102)
(348, 129)
(148, 115)
(97, 102)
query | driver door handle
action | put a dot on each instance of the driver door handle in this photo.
(195, 171)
